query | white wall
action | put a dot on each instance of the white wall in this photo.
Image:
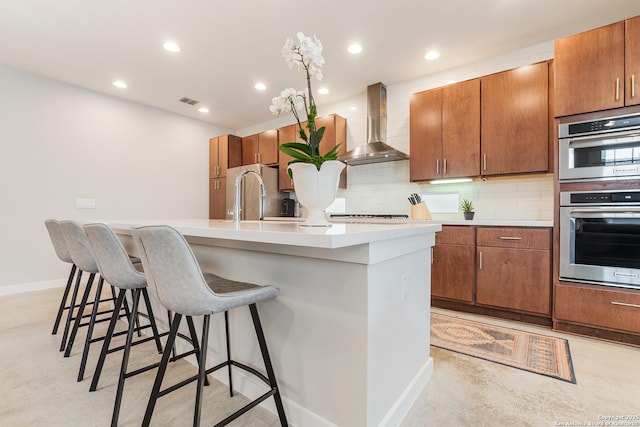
(384, 187)
(61, 142)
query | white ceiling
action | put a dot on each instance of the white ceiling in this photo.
(227, 46)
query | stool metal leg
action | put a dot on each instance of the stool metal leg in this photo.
(202, 370)
(194, 343)
(79, 314)
(152, 319)
(267, 363)
(92, 321)
(175, 324)
(72, 305)
(125, 356)
(226, 332)
(107, 341)
(63, 302)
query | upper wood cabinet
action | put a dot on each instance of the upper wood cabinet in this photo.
(445, 132)
(335, 133)
(598, 69)
(260, 148)
(515, 121)
(225, 151)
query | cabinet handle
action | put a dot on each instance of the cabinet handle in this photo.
(480, 266)
(484, 162)
(617, 89)
(445, 167)
(259, 157)
(432, 255)
(438, 167)
(626, 304)
(633, 85)
(510, 238)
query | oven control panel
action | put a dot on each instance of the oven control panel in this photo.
(600, 198)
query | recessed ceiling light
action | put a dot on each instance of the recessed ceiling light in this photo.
(355, 48)
(171, 47)
(431, 55)
(203, 109)
(353, 108)
(120, 84)
(323, 91)
(260, 86)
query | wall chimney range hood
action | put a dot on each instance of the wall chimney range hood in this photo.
(375, 150)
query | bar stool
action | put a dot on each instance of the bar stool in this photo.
(60, 247)
(173, 270)
(82, 255)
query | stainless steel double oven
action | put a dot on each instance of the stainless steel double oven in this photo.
(600, 229)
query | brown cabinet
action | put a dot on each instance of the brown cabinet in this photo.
(260, 148)
(335, 133)
(598, 69)
(598, 306)
(445, 132)
(515, 121)
(224, 152)
(453, 264)
(514, 269)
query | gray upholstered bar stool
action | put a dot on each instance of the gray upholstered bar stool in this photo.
(82, 255)
(60, 247)
(181, 287)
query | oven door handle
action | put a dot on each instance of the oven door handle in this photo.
(622, 137)
(618, 212)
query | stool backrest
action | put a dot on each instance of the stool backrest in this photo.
(173, 269)
(79, 247)
(57, 239)
(114, 262)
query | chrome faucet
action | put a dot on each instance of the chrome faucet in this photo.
(237, 200)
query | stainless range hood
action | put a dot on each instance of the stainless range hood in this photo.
(375, 150)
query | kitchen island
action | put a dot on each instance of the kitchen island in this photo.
(349, 332)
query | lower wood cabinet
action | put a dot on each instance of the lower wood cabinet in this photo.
(217, 198)
(482, 269)
(605, 307)
(453, 264)
(514, 269)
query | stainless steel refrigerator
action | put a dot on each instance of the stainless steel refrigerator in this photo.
(250, 197)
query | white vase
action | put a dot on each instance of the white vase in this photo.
(316, 189)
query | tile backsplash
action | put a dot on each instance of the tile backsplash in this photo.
(384, 188)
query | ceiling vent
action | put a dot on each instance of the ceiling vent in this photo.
(189, 101)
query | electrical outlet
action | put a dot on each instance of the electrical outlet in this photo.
(85, 203)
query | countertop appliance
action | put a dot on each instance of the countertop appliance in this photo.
(602, 149)
(252, 201)
(288, 207)
(600, 237)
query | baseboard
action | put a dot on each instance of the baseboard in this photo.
(30, 287)
(408, 397)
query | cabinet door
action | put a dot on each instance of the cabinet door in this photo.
(217, 198)
(589, 71)
(461, 129)
(268, 147)
(214, 161)
(250, 149)
(285, 134)
(223, 154)
(425, 135)
(516, 279)
(515, 121)
(632, 61)
(452, 272)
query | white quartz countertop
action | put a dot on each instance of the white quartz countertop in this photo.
(480, 222)
(287, 232)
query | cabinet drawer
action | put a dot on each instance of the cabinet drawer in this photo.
(598, 306)
(456, 235)
(514, 237)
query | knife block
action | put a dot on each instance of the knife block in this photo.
(420, 211)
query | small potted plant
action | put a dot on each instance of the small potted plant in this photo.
(467, 209)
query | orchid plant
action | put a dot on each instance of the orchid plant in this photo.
(305, 55)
